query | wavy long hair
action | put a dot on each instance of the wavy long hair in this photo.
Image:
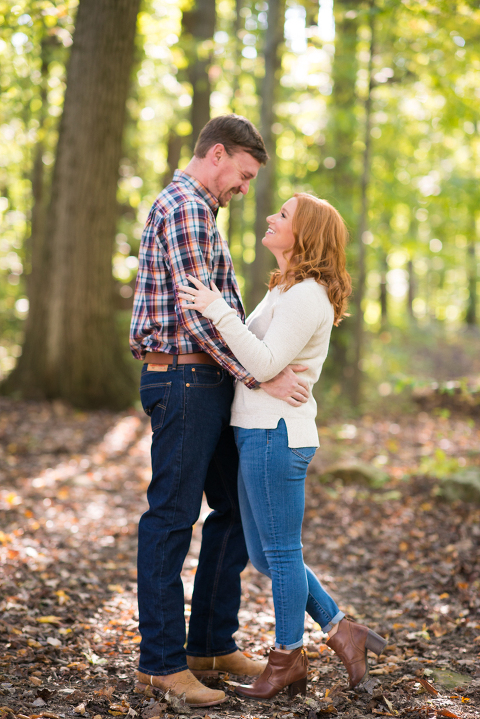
(319, 251)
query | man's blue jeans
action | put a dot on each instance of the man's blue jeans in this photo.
(271, 488)
(193, 450)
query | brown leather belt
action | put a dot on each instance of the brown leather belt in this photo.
(192, 358)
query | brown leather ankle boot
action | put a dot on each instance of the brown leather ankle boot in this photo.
(282, 670)
(351, 642)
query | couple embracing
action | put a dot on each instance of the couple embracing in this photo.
(233, 416)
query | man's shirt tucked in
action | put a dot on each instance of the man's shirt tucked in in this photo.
(181, 237)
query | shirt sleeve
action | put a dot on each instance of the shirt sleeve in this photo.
(189, 249)
(297, 315)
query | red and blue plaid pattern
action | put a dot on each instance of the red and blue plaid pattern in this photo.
(181, 237)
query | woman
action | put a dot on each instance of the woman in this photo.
(276, 441)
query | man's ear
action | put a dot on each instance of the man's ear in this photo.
(217, 152)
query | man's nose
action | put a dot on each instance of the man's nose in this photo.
(244, 187)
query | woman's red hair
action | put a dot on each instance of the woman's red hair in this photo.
(318, 251)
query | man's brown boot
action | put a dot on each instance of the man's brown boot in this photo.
(351, 642)
(235, 663)
(196, 694)
(282, 670)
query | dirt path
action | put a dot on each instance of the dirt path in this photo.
(72, 487)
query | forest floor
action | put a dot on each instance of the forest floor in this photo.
(397, 557)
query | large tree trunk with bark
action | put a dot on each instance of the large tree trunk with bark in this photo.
(265, 183)
(198, 29)
(72, 350)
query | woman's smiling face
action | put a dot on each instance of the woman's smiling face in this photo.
(279, 236)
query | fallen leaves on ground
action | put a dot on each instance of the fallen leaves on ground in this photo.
(396, 557)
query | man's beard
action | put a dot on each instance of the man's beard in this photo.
(225, 197)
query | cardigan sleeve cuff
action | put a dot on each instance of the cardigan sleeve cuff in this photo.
(216, 310)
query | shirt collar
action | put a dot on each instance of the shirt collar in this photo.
(186, 179)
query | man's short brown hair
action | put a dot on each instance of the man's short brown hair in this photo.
(235, 133)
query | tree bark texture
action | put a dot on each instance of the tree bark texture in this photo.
(265, 183)
(76, 356)
(198, 29)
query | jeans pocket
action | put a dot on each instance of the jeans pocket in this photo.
(154, 397)
(207, 376)
(305, 453)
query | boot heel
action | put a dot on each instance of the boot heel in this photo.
(375, 643)
(298, 687)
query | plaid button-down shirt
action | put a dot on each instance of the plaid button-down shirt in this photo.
(181, 237)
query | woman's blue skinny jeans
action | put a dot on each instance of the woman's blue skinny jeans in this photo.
(271, 488)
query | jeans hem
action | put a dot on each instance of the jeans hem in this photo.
(165, 673)
(289, 647)
(209, 654)
(336, 619)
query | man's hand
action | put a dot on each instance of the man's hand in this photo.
(287, 386)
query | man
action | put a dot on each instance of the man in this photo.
(187, 389)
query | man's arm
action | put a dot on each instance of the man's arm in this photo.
(188, 250)
(287, 386)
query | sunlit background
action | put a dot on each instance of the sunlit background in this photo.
(422, 79)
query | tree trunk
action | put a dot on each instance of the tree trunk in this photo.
(472, 317)
(237, 57)
(411, 289)
(174, 150)
(198, 29)
(265, 183)
(359, 328)
(343, 122)
(35, 243)
(76, 355)
(383, 291)
(342, 134)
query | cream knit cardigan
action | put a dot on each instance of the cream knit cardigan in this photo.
(291, 327)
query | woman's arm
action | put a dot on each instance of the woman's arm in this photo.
(297, 315)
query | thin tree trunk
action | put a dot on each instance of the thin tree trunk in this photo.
(383, 291)
(174, 150)
(343, 121)
(343, 129)
(198, 28)
(359, 327)
(237, 56)
(35, 243)
(236, 224)
(36, 255)
(265, 183)
(411, 289)
(78, 356)
(472, 316)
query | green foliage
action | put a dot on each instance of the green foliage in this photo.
(422, 238)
